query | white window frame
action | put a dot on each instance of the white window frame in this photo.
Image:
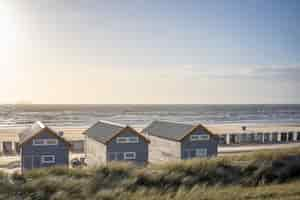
(133, 139)
(48, 161)
(126, 157)
(124, 140)
(201, 137)
(38, 142)
(55, 142)
(201, 152)
(44, 142)
(121, 140)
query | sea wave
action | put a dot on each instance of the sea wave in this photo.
(140, 115)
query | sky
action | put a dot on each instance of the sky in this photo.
(150, 52)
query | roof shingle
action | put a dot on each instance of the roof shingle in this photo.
(103, 131)
(169, 130)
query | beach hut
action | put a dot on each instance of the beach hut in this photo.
(176, 141)
(266, 138)
(107, 141)
(40, 146)
(274, 137)
(290, 136)
(298, 136)
(284, 137)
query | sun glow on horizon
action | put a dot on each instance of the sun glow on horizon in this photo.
(8, 43)
(8, 28)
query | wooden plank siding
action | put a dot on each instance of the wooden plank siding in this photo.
(161, 149)
(140, 149)
(31, 155)
(95, 152)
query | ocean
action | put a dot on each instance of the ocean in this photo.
(138, 116)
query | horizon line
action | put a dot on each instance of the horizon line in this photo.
(133, 104)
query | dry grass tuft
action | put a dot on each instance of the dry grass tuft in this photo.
(261, 175)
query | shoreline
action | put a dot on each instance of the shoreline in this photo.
(140, 126)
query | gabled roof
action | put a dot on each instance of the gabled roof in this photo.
(104, 131)
(34, 130)
(172, 130)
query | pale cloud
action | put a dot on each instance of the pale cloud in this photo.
(281, 72)
(285, 72)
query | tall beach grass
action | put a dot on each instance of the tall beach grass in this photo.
(261, 175)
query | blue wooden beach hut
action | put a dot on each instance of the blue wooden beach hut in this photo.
(41, 146)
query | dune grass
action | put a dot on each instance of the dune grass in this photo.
(261, 175)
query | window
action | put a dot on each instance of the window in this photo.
(45, 142)
(127, 140)
(200, 152)
(48, 159)
(51, 141)
(121, 140)
(38, 142)
(133, 140)
(195, 153)
(129, 155)
(199, 137)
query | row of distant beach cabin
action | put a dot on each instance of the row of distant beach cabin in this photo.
(256, 134)
(41, 146)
